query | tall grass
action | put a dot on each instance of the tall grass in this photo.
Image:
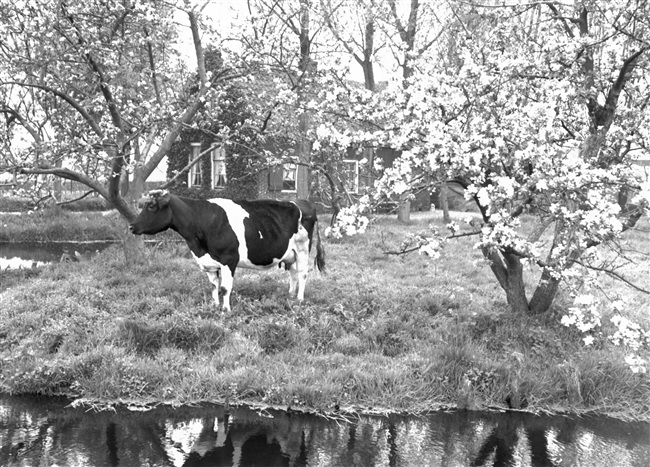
(21, 204)
(377, 331)
(55, 224)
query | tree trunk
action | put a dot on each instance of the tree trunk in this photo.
(302, 182)
(549, 283)
(369, 40)
(510, 274)
(407, 33)
(544, 294)
(443, 199)
(133, 245)
(304, 120)
(368, 76)
(124, 183)
(58, 188)
(134, 248)
(404, 209)
(515, 289)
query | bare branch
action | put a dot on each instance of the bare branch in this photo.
(614, 274)
(24, 123)
(191, 164)
(557, 14)
(152, 66)
(198, 47)
(69, 175)
(65, 97)
(61, 203)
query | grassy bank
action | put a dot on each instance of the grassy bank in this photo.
(10, 203)
(376, 332)
(54, 224)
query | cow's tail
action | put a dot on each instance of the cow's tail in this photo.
(319, 261)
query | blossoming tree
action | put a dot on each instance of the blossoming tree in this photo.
(95, 90)
(544, 113)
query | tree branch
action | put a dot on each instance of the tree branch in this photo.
(191, 164)
(69, 175)
(65, 97)
(61, 203)
(198, 47)
(614, 274)
(609, 109)
(25, 124)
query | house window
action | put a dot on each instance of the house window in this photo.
(218, 156)
(289, 172)
(350, 175)
(194, 177)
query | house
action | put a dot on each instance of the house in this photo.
(223, 172)
(253, 166)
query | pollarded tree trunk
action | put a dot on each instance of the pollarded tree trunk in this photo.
(509, 272)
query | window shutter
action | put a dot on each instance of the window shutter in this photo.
(275, 178)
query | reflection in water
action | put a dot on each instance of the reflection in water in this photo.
(15, 255)
(46, 432)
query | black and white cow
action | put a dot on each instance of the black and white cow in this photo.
(224, 234)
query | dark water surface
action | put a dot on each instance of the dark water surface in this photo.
(47, 432)
(14, 255)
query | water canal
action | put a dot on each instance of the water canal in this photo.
(16, 255)
(49, 432)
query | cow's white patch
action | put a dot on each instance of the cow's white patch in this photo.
(214, 271)
(207, 263)
(236, 215)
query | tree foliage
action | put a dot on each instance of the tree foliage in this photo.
(543, 111)
(96, 89)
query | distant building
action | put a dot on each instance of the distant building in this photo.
(245, 169)
(220, 173)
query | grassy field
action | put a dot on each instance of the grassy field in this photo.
(58, 224)
(377, 332)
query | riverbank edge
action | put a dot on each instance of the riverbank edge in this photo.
(347, 413)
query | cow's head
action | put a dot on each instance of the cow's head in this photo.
(156, 214)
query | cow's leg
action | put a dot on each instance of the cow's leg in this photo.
(226, 286)
(302, 260)
(215, 278)
(293, 279)
(302, 267)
